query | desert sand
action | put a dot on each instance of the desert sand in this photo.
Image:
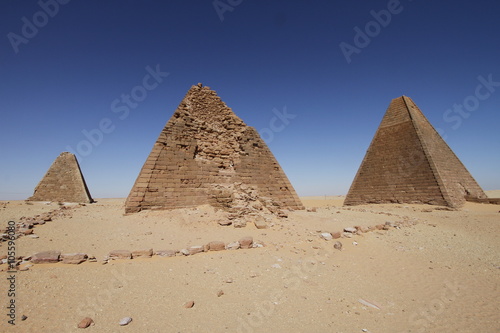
(437, 271)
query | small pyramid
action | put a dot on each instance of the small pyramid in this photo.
(63, 182)
(207, 155)
(409, 162)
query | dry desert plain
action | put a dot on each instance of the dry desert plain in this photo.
(438, 270)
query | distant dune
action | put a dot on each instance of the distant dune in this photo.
(493, 193)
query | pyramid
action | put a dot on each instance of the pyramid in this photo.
(63, 182)
(207, 155)
(409, 162)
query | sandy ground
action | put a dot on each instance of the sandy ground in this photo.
(439, 274)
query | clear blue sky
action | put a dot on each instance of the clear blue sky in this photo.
(64, 70)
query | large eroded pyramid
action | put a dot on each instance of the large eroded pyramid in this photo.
(63, 182)
(409, 162)
(207, 155)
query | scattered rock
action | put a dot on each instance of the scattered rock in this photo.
(45, 257)
(216, 246)
(379, 226)
(336, 235)
(246, 242)
(239, 223)
(195, 249)
(326, 236)
(282, 214)
(142, 253)
(260, 222)
(73, 258)
(86, 322)
(184, 252)
(166, 253)
(225, 222)
(23, 317)
(120, 254)
(337, 245)
(351, 230)
(189, 305)
(233, 246)
(312, 210)
(220, 293)
(347, 235)
(125, 321)
(26, 231)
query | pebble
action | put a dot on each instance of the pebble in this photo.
(189, 305)
(337, 245)
(220, 293)
(351, 230)
(86, 322)
(326, 236)
(125, 321)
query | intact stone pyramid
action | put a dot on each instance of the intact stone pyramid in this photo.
(409, 162)
(63, 182)
(207, 155)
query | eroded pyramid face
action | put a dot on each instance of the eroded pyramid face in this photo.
(408, 162)
(207, 155)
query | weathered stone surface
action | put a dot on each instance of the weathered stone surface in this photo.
(63, 182)
(142, 253)
(246, 242)
(260, 222)
(409, 162)
(351, 230)
(45, 257)
(73, 258)
(336, 234)
(86, 322)
(225, 222)
(207, 155)
(195, 249)
(216, 246)
(166, 253)
(326, 236)
(239, 223)
(233, 246)
(120, 254)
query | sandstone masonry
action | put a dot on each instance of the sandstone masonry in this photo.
(207, 155)
(63, 182)
(409, 162)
